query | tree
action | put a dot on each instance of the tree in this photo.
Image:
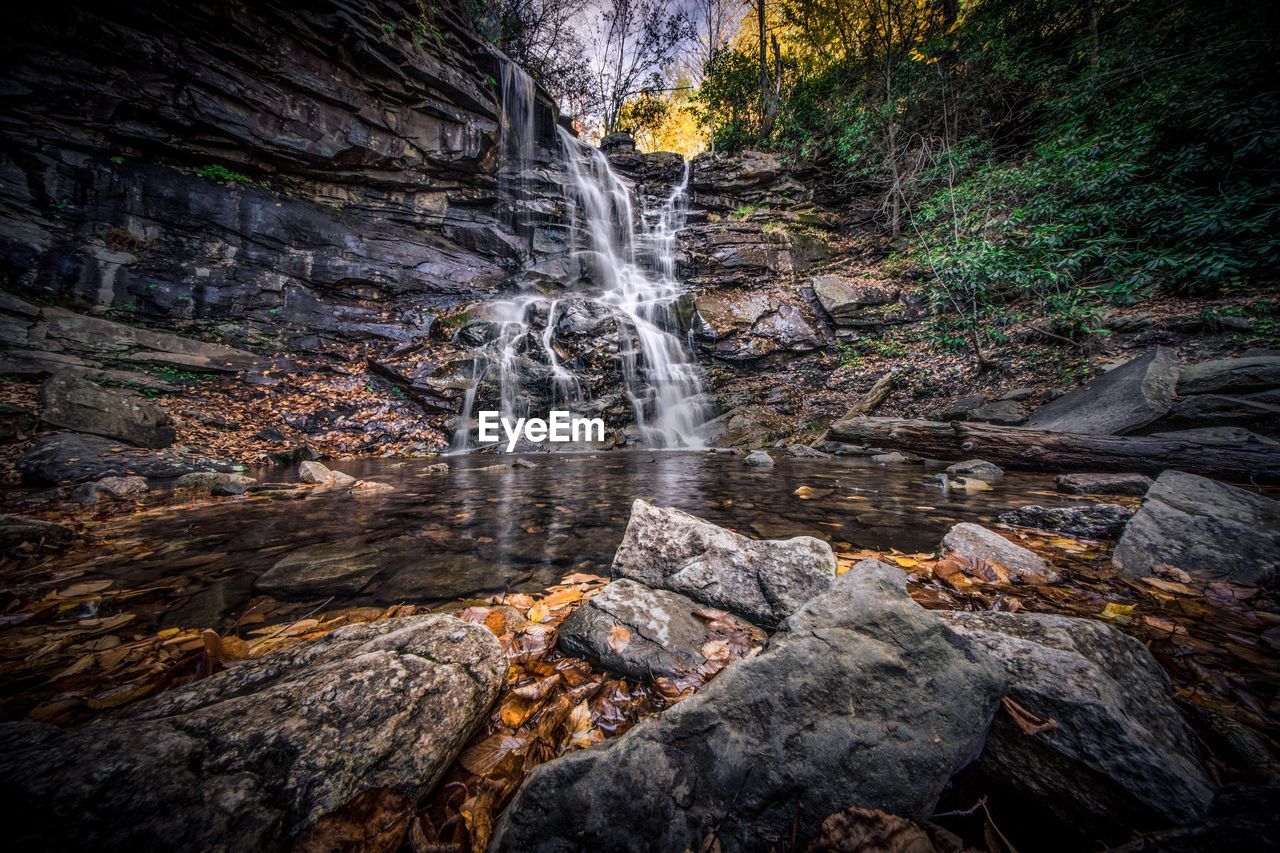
(634, 42)
(540, 36)
(715, 22)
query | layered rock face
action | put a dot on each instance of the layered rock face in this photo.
(293, 177)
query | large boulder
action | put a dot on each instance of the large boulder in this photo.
(742, 325)
(848, 299)
(1203, 527)
(762, 581)
(73, 403)
(979, 468)
(70, 457)
(1119, 401)
(1225, 375)
(251, 757)
(863, 699)
(994, 557)
(1118, 756)
(1091, 521)
(633, 630)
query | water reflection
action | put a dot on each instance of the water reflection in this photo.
(487, 526)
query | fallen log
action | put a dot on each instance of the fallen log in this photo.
(1043, 450)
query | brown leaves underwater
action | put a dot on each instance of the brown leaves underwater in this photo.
(62, 661)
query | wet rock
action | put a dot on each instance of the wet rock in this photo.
(208, 480)
(758, 459)
(633, 630)
(344, 567)
(314, 472)
(70, 457)
(804, 451)
(1203, 527)
(251, 757)
(1003, 412)
(1230, 375)
(969, 484)
(1119, 756)
(1103, 484)
(993, 556)
(846, 299)
(897, 457)
(762, 581)
(228, 490)
(293, 456)
(743, 325)
(840, 448)
(1241, 817)
(39, 535)
(122, 487)
(73, 403)
(1090, 521)
(979, 468)
(864, 699)
(1119, 401)
(369, 488)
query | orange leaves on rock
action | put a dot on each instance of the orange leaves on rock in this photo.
(539, 612)
(619, 638)
(562, 598)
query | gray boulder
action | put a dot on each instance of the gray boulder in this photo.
(71, 457)
(846, 299)
(249, 758)
(762, 581)
(759, 459)
(1002, 412)
(979, 468)
(633, 630)
(206, 480)
(1134, 485)
(1119, 756)
(1257, 373)
(1204, 527)
(122, 487)
(989, 553)
(1209, 410)
(1119, 401)
(313, 472)
(897, 457)
(1091, 521)
(863, 699)
(71, 402)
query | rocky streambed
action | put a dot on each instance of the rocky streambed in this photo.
(646, 651)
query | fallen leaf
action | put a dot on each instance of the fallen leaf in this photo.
(619, 638)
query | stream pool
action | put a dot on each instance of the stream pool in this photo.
(486, 526)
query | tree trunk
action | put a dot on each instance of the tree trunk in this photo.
(766, 102)
(873, 398)
(1043, 450)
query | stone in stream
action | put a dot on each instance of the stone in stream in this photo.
(1117, 402)
(763, 581)
(1118, 757)
(75, 403)
(1090, 521)
(249, 758)
(1103, 484)
(71, 457)
(228, 490)
(994, 556)
(864, 698)
(208, 480)
(758, 459)
(633, 630)
(804, 451)
(343, 567)
(313, 472)
(897, 457)
(979, 468)
(1230, 375)
(1203, 527)
(122, 487)
(16, 530)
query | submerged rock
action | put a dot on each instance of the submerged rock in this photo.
(1103, 484)
(1203, 527)
(122, 487)
(633, 630)
(1118, 756)
(993, 556)
(343, 567)
(251, 757)
(863, 699)
(74, 403)
(764, 581)
(1119, 401)
(208, 480)
(16, 530)
(1091, 521)
(70, 457)
(979, 468)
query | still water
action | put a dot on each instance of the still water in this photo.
(486, 526)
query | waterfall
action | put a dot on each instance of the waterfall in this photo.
(631, 259)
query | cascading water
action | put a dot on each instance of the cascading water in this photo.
(631, 265)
